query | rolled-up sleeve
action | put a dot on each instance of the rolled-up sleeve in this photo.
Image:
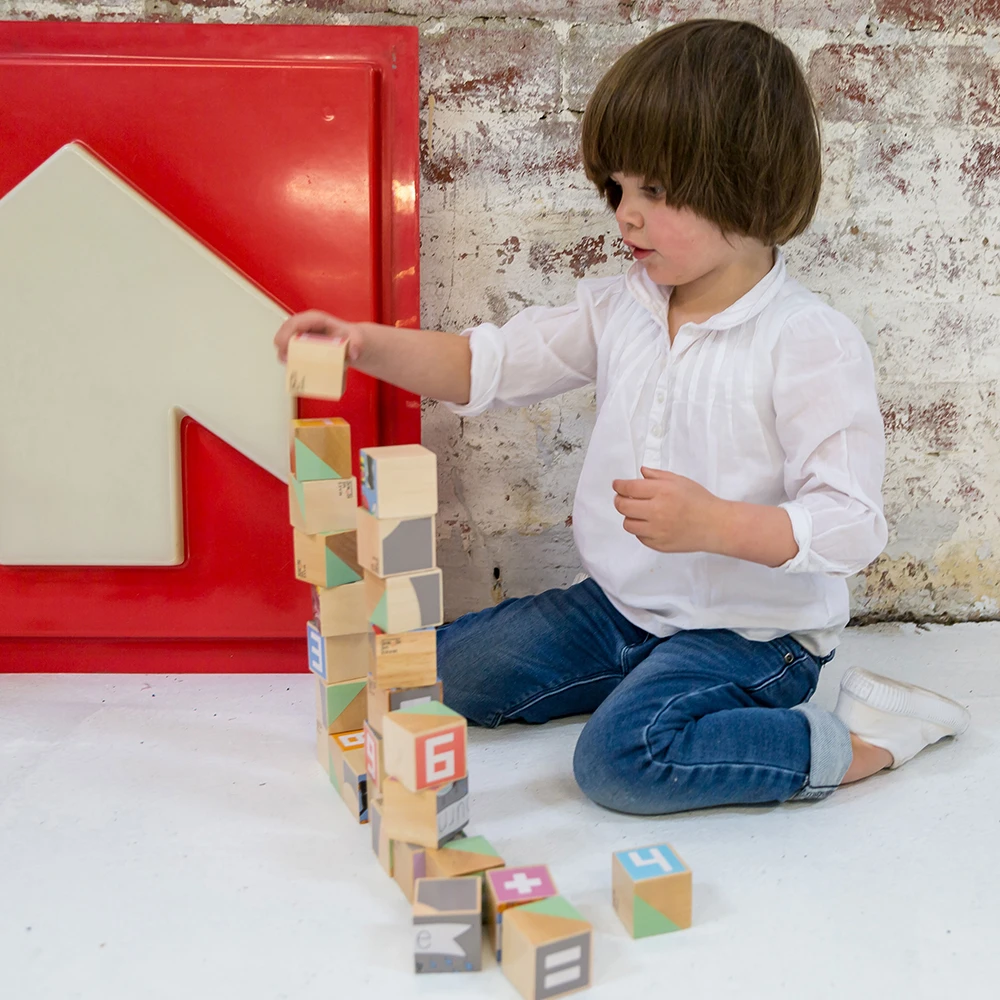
(831, 431)
(541, 352)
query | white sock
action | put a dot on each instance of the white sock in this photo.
(897, 717)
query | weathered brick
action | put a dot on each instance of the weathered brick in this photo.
(759, 11)
(500, 149)
(590, 52)
(940, 15)
(981, 173)
(975, 82)
(820, 15)
(880, 83)
(592, 11)
(494, 68)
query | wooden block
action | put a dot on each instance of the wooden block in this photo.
(382, 845)
(447, 923)
(327, 560)
(383, 700)
(320, 449)
(323, 746)
(547, 949)
(430, 818)
(387, 547)
(374, 763)
(408, 862)
(405, 602)
(399, 481)
(339, 744)
(317, 366)
(424, 745)
(341, 611)
(402, 659)
(337, 657)
(462, 856)
(507, 887)
(354, 783)
(340, 707)
(651, 890)
(322, 505)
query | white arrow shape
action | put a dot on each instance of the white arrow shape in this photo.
(114, 323)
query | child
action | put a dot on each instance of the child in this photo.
(733, 479)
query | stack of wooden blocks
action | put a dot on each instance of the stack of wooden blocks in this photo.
(394, 751)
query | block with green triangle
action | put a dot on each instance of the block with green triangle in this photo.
(547, 949)
(320, 449)
(406, 602)
(327, 560)
(651, 890)
(341, 707)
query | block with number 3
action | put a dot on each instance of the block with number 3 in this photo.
(651, 890)
(424, 745)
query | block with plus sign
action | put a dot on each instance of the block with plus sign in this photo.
(547, 948)
(424, 745)
(651, 890)
(507, 887)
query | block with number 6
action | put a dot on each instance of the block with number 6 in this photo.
(424, 745)
(651, 890)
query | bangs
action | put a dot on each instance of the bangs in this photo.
(719, 114)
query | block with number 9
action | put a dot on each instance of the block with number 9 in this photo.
(424, 745)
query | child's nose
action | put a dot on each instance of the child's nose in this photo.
(627, 214)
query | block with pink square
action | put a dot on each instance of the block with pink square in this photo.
(506, 887)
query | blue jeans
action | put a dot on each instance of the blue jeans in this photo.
(701, 718)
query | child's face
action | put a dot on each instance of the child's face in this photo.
(675, 245)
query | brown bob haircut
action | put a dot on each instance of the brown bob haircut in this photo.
(719, 114)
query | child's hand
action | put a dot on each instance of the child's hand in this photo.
(320, 323)
(670, 513)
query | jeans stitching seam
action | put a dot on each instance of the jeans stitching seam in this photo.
(553, 691)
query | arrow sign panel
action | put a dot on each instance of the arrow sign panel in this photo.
(114, 323)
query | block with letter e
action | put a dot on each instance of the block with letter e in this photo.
(320, 449)
(651, 890)
(399, 481)
(337, 657)
(547, 949)
(316, 367)
(429, 818)
(447, 924)
(508, 887)
(322, 505)
(424, 745)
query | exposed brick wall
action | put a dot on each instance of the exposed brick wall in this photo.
(905, 242)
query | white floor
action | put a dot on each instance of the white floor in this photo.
(174, 837)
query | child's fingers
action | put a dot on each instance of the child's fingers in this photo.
(311, 321)
(637, 489)
(635, 510)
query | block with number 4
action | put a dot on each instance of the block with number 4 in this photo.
(424, 745)
(651, 890)
(547, 949)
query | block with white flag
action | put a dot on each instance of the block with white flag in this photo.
(447, 924)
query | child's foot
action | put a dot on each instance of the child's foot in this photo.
(897, 717)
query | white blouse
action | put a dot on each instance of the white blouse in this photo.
(771, 401)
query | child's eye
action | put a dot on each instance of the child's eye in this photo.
(653, 190)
